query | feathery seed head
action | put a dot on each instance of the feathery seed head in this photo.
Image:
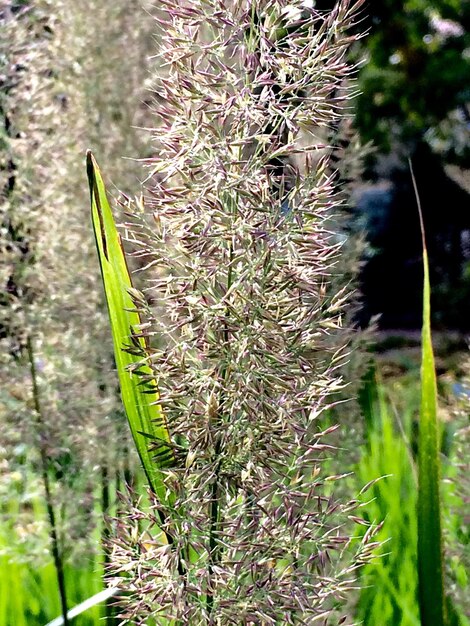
(244, 357)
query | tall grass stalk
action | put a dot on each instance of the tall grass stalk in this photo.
(62, 72)
(235, 334)
(53, 528)
(430, 544)
(106, 495)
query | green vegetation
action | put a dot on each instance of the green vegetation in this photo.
(414, 86)
(390, 584)
(138, 388)
(389, 592)
(226, 309)
(28, 582)
(430, 547)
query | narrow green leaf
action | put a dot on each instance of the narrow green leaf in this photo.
(139, 392)
(430, 546)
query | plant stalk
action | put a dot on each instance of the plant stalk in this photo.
(214, 548)
(53, 533)
(105, 536)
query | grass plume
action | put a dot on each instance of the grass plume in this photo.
(237, 321)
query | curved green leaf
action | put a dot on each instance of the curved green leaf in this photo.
(138, 388)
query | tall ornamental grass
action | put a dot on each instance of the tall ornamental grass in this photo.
(61, 75)
(236, 320)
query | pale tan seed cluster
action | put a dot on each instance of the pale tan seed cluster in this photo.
(240, 315)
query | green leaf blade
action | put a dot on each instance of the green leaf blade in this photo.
(139, 391)
(432, 600)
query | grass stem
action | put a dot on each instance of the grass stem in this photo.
(214, 549)
(53, 532)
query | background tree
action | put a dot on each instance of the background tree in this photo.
(414, 103)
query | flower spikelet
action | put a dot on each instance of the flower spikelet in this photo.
(239, 318)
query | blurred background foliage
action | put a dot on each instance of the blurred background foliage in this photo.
(75, 75)
(72, 75)
(414, 103)
(415, 85)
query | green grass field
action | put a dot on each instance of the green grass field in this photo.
(28, 584)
